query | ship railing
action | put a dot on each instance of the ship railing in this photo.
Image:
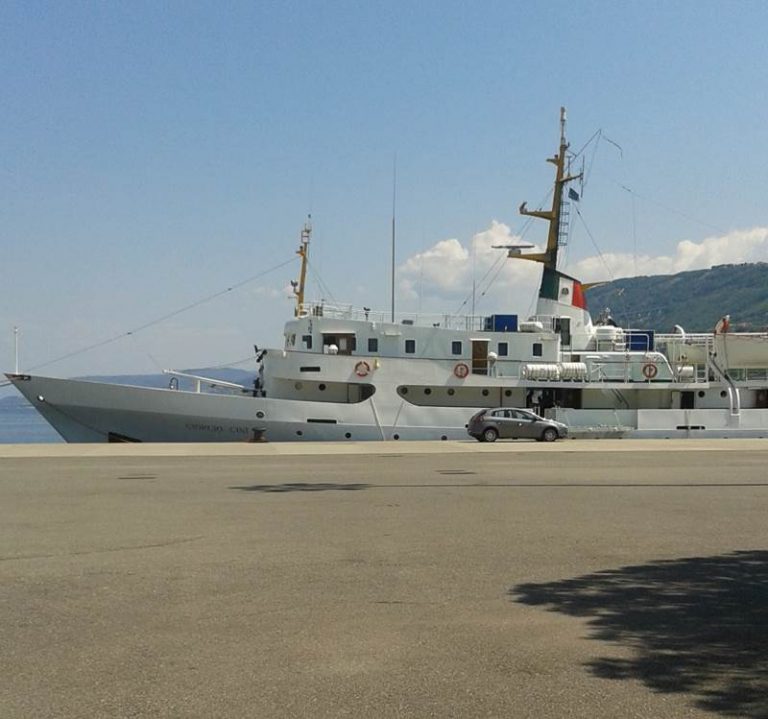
(199, 381)
(699, 339)
(473, 323)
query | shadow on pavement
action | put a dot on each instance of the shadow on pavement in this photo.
(697, 625)
(301, 487)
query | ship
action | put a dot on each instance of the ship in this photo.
(347, 373)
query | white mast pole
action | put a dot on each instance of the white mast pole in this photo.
(16, 349)
(394, 206)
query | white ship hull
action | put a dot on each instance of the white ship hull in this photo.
(82, 411)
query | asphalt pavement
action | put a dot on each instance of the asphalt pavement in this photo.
(582, 579)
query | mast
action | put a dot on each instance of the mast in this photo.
(16, 348)
(394, 205)
(549, 257)
(303, 252)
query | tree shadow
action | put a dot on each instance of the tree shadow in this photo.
(697, 625)
(301, 487)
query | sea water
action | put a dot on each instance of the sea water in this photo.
(21, 424)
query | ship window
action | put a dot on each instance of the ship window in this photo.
(410, 347)
(307, 340)
(451, 392)
(537, 349)
(456, 348)
(373, 344)
(503, 349)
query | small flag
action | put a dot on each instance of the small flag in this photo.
(572, 194)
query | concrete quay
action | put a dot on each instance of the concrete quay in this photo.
(400, 579)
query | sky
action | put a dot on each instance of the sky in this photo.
(156, 154)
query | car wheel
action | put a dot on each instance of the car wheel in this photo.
(549, 435)
(490, 435)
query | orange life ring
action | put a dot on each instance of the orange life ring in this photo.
(650, 370)
(461, 370)
(362, 368)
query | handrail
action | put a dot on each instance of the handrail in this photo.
(208, 380)
(351, 312)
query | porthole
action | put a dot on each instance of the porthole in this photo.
(395, 436)
(403, 390)
(507, 392)
(723, 393)
(451, 392)
(427, 390)
(321, 387)
(299, 433)
(701, 393)
(443, 438)
(485, 393)
(348, 435)
(298, 385)
(260, 414)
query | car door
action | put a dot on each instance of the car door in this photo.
(510, 424)
(525, 425)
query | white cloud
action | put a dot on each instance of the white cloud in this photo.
(262, 291)
(735, 247)
(440, 277)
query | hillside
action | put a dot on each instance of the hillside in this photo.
(695, 300)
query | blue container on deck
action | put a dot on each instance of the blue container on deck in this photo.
(640, 340)
(501, 323)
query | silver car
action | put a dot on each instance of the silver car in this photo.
(489, 425)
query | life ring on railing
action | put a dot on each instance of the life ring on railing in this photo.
(461, 370)
(650, 370)
(362, 369)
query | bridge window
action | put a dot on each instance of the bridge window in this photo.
(373, 344)
(456, 348)
(410, 347)
(537, 350)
